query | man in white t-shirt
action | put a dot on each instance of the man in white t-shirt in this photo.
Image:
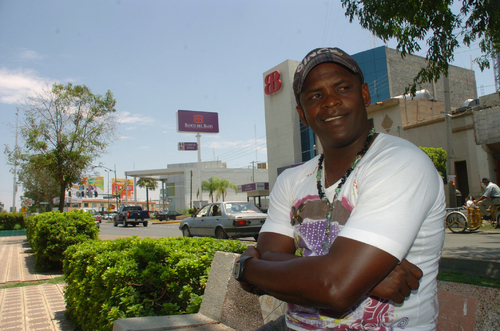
(491, 196)
(350, 233)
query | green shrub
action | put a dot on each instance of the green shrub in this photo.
(49, 234)
(11, 221)
(132, 277)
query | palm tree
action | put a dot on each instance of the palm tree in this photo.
(210, 186)
(149, 184)
(224, 184)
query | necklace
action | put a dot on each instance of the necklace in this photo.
(326, 245)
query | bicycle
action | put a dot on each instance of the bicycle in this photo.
(470, 219)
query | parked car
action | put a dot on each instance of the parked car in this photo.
(131, 215)
(96, 216)
(168, 215)
(224, 220)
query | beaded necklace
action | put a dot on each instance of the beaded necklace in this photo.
(326, 245)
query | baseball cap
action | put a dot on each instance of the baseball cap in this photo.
(322, 55)
(485, 179)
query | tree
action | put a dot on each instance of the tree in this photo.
(211, 186)
(411, 21)
(224, 184)
(37, 183)
(438, 157)
(149, 184)
(65, 128)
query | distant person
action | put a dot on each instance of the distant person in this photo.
(491, 196)
(469, 202)
(345, 226)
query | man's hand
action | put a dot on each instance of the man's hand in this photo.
(251, 251)
(399, 283)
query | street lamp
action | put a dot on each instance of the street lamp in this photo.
(108, 170)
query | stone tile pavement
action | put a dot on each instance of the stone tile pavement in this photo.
(29, 308)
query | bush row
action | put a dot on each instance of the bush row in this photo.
(49, 234)
(132, 277)
(8, 221)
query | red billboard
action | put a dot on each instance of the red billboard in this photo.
(197, 121)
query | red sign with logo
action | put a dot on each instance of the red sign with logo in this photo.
(272, 82)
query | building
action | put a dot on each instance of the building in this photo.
(420, 120)
(180, 183)
(99, 204)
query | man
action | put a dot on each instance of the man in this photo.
(491, 196)
(339, 225)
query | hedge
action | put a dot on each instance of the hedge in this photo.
(132, 277)
(50, 234)
(8, 221)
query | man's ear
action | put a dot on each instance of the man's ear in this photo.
(302, 115)
(365, 92)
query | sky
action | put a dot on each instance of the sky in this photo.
(157, 57)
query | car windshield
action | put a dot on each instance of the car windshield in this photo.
(241, 208)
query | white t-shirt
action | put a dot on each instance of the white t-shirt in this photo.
(393, 200)
(492, 191)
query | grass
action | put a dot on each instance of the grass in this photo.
(458, 277)
(55, 280)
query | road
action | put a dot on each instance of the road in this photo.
(153, 230)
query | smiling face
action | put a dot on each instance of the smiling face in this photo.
(333, 103)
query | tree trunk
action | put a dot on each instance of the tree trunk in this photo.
(62, 196)
(147, 198)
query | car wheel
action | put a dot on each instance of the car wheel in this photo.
(185, 231)
(145, 224)
(115, 224)
(221, 234)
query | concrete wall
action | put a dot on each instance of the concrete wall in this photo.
(422, 123)
(282, 122)
(401, 72)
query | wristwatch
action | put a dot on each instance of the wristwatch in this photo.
(239, 268)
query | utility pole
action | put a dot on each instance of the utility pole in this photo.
(14, 190)
(450, 165)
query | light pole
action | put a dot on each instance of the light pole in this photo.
(108, 170)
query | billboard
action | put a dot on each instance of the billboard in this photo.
(197, 121)
(119, 188)
(88, 187)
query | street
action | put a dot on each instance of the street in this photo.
(153, 230)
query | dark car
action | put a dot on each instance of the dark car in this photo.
(168, 215)
(224, 220)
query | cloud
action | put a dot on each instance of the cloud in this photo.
(126, 117)
(30, 55)
(15, 85)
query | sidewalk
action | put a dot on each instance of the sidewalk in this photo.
(29, 308)
(42, 307)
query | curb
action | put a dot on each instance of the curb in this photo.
(470, 267)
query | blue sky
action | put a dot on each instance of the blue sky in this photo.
(157, 57)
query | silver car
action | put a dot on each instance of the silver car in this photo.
(225, 220)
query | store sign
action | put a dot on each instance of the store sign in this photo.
(272, 82)
(187, 146)
(197, 121)
(261, 186)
